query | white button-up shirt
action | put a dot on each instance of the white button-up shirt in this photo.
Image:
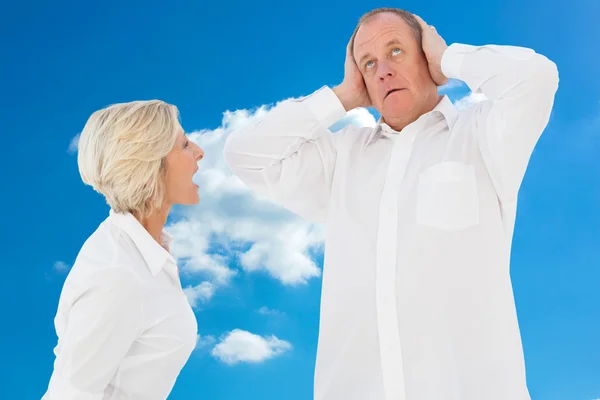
(125, 328)
(416, 301)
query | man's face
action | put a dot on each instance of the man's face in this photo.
(393, 66)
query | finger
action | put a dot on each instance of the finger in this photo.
(350, 55)
(420, 21)
(349, 48)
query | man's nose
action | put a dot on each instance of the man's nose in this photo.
(385, 71)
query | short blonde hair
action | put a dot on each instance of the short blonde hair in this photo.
(121, 153)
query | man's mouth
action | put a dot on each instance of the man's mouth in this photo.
(392, 91)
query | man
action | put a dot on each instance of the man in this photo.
(417, 301)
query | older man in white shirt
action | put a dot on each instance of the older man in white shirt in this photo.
(417, 301)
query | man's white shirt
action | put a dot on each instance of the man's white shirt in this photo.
(125, 327)
(417, 300)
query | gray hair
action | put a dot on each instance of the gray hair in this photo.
(408, 17)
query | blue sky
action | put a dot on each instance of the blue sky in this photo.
(62, 60)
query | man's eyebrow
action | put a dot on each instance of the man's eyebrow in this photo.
(367, 55)
(393, 41)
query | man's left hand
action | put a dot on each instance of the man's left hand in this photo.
(434, 47)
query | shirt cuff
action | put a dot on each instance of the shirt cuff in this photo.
(453, 58)
(325, 106)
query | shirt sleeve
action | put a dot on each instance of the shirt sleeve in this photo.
(101, 326)
(289, 155)
(520, 86)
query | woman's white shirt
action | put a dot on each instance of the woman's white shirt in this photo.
(125, 327)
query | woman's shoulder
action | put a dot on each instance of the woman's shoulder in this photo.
(102, 248)
(106, 252)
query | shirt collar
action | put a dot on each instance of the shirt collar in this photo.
(444, 107)
(154, 254)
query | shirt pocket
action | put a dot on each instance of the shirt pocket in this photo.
(447, 196)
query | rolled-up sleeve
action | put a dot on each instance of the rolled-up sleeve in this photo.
(101, 325)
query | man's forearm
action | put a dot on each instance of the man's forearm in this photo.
(289, 155)
(520, 86)
(283, 130)
(498, 70)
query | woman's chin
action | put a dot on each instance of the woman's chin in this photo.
(196, 198)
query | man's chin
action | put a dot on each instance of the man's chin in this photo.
(394, 109)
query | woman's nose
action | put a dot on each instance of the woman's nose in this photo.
(199, 153)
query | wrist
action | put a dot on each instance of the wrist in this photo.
(452, 61)
(343, 96)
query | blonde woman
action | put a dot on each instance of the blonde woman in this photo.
(125, 328)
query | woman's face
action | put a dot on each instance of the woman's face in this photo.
(181, 165)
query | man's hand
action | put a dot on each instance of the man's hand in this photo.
(352, 92)
(433, 47)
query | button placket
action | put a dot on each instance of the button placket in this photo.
(387, 315)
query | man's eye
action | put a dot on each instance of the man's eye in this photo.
(369, 64)
(396, 51)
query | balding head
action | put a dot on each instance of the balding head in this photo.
(409, 18)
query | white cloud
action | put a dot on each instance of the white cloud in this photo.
(232, 225)
(204, 342)
(239, 346)
(191, 246)
(451, 84)
(267, 311)
(199, 293)
(73, 145)
(469, 100)
(61, 267)
(358, 117)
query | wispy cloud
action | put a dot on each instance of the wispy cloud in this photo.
(451, 84)
(267, 311)
(72, 149)
(358, 117)
(469, 100)
(199, 293)
(239, 346)
(205, 342)
(61, 267)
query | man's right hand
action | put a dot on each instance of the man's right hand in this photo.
(352, 92)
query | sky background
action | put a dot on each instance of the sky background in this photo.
(251, 269)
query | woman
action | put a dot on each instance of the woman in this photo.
(125, 328)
